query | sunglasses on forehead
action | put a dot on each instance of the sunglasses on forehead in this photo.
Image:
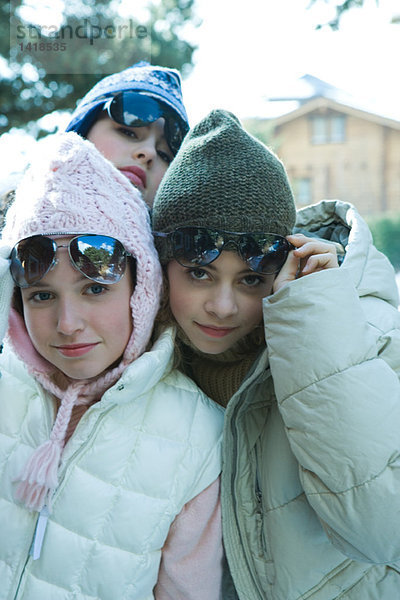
(137, 110)
(199, 246)
(99, 257)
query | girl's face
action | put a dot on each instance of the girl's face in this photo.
(140, 153)
(80, 326)
(218, 304)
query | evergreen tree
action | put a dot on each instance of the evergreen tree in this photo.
(341, 6)
(41, 77)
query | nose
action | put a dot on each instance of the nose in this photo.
(69, 318)
(222, 304)
(145, 150)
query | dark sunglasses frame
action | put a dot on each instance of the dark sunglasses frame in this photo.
(134, 109)
(38, 253)
(264, 253)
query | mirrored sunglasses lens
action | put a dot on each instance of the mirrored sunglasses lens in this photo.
(98, 257)
(249, 247)
(194, 246)
(174, 133)
(31, 258)
(134, 110)
(137, 110)
(269, 254)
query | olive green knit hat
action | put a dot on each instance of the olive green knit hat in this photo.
(224, 178)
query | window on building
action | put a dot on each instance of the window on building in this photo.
(328, 129)
(302, 190)
(319, 130)
(338, 128)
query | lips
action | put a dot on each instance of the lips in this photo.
(216, 332)
(136, 175)
(75, 350)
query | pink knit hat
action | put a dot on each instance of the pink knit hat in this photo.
(71, 188)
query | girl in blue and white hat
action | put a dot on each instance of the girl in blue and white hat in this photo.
(137, 119)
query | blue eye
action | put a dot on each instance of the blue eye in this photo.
(96, 289)
(42, 296)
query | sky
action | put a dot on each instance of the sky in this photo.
(257, 48)
(249, 51)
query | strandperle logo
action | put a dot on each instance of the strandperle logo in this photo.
(85, 31)
(83, 45)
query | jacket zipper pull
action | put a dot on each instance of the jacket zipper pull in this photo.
(39, 533)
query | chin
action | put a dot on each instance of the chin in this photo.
(212, 347)
(84, 374)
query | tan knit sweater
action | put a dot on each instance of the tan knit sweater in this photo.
(220, 375)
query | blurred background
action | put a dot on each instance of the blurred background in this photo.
(317, 80)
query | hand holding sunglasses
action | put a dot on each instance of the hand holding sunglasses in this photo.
(310, 255)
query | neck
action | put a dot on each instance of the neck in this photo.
(220, 375)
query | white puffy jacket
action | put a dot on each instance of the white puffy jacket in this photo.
(136, 457)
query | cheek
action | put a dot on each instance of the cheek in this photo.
(105, 143)
(185, 303)
(108, 149)
(159, 174)
(40, 327)
(125, 321)
(119, 318)
(36, 322)
(252, 308)
(252, 312)
(179, 303)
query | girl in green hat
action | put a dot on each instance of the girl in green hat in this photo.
(303, 354)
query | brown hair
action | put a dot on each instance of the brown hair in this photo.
(165, 319)
(16, 301)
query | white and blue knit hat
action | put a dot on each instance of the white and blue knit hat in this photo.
(160, 83)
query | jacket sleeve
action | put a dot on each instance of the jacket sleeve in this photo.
(191, 563)
(336, 379)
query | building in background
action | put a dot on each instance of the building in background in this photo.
(335, 149)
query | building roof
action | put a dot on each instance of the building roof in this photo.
(310, 93)
(308, 87)
(319, 103)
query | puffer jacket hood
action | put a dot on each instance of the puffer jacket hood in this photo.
(339, 222)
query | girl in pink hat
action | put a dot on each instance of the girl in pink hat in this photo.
(109, 458)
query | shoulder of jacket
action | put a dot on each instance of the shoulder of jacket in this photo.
(10, 364)
(181, 384)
